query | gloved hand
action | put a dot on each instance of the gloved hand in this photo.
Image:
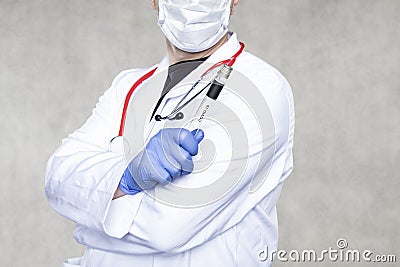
(167, 156)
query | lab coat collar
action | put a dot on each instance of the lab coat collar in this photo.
(227, 50)
(163, 65)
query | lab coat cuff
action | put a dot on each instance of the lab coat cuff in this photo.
(121, 214)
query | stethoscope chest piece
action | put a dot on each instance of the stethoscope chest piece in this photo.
(178, 116)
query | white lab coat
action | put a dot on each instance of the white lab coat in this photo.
(82, 176)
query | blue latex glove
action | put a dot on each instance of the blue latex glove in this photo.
(167, 156)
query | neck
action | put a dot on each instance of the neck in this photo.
(176, 55)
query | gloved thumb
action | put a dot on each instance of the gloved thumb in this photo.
(198, 135)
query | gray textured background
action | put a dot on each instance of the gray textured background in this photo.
(341, 58)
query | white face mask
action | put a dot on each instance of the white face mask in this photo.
(194, 25)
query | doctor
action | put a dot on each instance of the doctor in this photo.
(118, 220)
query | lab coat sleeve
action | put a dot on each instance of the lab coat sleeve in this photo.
(82, 175)
(171, 230)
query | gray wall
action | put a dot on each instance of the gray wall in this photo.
(341, 58)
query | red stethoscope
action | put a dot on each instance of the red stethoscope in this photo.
(229, 62)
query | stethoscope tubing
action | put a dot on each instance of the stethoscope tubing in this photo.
(179, 107)
(229, 62)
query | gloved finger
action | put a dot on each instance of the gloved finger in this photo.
(161, 176)
(170, 164)
(164, 158)
(184, 159)
(188, 142)
(198, 135)
(154, 166)
(145, 184)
